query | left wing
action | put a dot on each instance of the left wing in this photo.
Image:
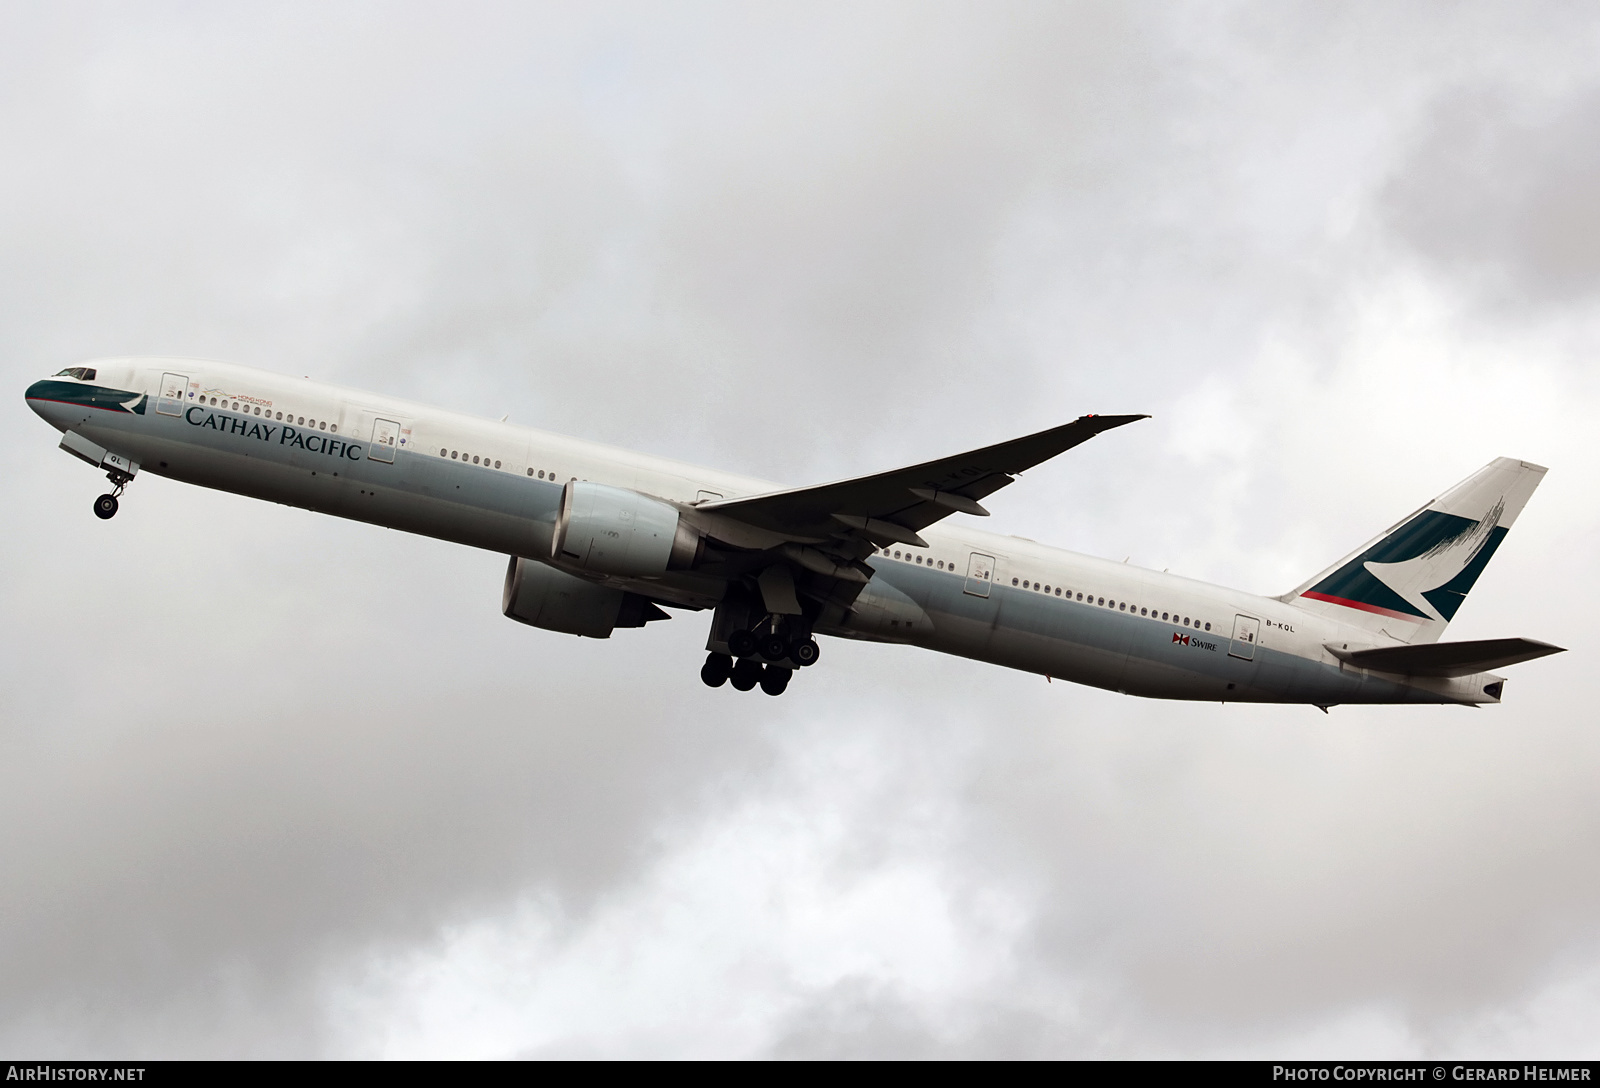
(890, 507)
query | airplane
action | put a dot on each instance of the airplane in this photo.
(600, 538)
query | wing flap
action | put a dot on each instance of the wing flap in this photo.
(1447, 658)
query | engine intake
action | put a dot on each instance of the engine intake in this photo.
(611, 530)
(541, 596)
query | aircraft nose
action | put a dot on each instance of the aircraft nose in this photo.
(41, 399)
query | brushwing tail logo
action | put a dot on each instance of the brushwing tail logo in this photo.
(1422, 571)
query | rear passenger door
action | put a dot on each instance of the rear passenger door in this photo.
(980, 574)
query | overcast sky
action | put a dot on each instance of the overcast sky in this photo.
(276, 785)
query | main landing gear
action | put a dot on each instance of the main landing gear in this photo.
(764, 657)
(106, 505)
(745, 674)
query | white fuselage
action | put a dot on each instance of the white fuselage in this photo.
(496, 486)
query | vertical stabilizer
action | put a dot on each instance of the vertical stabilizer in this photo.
(1409, 582)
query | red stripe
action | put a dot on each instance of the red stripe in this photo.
(81, 404)
(1363, 606)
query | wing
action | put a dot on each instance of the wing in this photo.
(1448, 658)
(890, 507)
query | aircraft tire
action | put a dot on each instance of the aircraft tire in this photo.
(105, 507)
(745, 675)
(773, 647)
(716, 669)
(774, 680)
(742, 644)
(805, 652)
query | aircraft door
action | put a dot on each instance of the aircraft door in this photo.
(385, 436)
(980, 574)
(1245, 630)
(173, 387)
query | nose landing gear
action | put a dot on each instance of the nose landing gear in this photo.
(106, 505)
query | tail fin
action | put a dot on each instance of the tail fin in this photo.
(1409, 582)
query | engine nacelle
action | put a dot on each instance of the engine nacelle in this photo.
(541, 596)
(611, 530)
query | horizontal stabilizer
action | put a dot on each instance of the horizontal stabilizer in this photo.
(1447, 658)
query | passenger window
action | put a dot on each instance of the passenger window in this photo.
(497, 464)
(1208, 627)
(334, 427)
(452, 455)
(1013, 581)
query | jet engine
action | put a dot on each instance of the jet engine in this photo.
(541, 596)
(611, 530)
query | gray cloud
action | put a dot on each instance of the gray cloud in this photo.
(1500, 190)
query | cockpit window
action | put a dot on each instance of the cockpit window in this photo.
(82, 373)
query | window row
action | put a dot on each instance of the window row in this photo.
(235, 406)
(486, 462)
(930, 561)
(457, 455)
(1120, 606)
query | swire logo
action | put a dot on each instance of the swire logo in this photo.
(1180, 638)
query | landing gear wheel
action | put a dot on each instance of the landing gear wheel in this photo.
(774, 679)
(716, 669)
(773, 647)
(105, 507)
(744, 675)
(742, 644)
(805, 652)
